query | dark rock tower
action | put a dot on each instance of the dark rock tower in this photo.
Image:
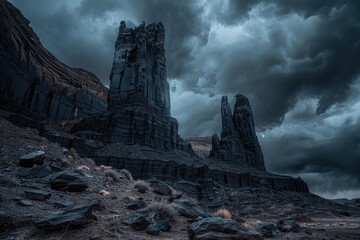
(239, 144)
(138, 75)
(138, 99)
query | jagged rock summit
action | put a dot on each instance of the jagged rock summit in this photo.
(239, 144)
(138, 99)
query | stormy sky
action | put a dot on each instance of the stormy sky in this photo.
(297, 61)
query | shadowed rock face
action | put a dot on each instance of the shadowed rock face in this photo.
(138, 100)
(138, 74)
(239, 144)
(32, 79)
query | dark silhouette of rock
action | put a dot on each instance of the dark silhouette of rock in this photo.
(161, 188)
(25, 203)
(136, 221)
(268, 230)
(288, 225)
(68, 181)
(71, 217)
(31, 159)
(158, 226)
(136, 204)
(35, 172)
(139, 98)
(239, 144)
(188, 208)
(219, 228)
(33, 80)
(37, 194)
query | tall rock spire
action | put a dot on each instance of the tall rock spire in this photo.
(244, 125)
(226, 117)
(138, 73)
(239, 143)
(139, 97)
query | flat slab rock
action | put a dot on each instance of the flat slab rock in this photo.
(37, 194)
(31, 159)
(71, 217)
(188, 208)
(35, 172)
(212, 228)
(68, 181)
(136, 221)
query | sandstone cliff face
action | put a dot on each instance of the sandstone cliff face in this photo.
(32, 79)
(139, 99)
(239, 144)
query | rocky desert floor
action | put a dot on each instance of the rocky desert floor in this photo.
(69, 197)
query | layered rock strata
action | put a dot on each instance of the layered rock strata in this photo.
(239, 144)
(32, 79)
(139, 99)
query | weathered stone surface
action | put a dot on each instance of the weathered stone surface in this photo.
(25, 203)
(161, 188)
(37, 194)
(73, 217)
(188, 208)
(268, 230)
(136, 221)
(138, 99)
(158, 226)
(35, 172)
(239, 144)
(31, 159)
(63, 204)
(137, 204)
(32, 79)
(288, 225)
(219, 228)
(68, 181)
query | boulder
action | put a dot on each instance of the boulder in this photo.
(68, 181)
(35, 172)
(156, 227)
(31, 159)
(288, 225)
(188, 208)
(136, 221)
(63, 204)
(37, 194)
(162, 188)
(268, 230)
(137, 204)
(25, 203)
(213, 228)
(70, 217)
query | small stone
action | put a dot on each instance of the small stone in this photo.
(35, 172)
(156, 227)
(136, 221)
(68, 181)
(95, 237)
(162, 188)
(137, 204)
(308, 231)
(268, 230)
(37, 194)
(188, 208)
(63, 204)
(31, 159)
(288, 225)
(73, 217)
(25, 203)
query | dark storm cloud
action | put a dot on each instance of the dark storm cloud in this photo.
(295, 47)
(82, 33)
(335, 158)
